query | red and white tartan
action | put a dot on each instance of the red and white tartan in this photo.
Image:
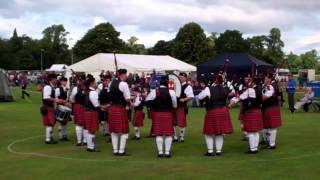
(180, 117)
(91, 121)
(118, 119)
(252, 120)
(217, 121)
(272, 117)
(138, 119)
(162, 123)
(49, 119)
(77, 111)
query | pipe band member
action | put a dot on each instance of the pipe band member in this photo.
(138, 112)
(61, 92)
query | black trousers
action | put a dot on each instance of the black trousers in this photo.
(291, 100)
(24, 92)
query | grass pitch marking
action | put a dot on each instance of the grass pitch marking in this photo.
(11, 150)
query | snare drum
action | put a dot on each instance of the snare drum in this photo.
(62, 113)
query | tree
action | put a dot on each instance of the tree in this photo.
(103, 38)
(309, 59)
(132, 41)
(134, 47)
(212, 39)
(191, 44)
(162, 48)
(274, 53)
(231, 41)
(54, 43)
(294, 62)
(257, 46)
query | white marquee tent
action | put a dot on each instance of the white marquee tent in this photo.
(132, 62)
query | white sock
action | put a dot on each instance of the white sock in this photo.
(79, 130)
(272, 137)
(137, 131)
(90, 141)
(175, 137)
(63, 131)
(168, 142)
(251, 137)
(159, 142)
(85, 133)
(219, 143)
(265, 135)
(115, 142)
(48, 133)
(182, 133)
(123, 142)
(209, 142)
(256, 142)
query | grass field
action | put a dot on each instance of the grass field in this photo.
(297, 155)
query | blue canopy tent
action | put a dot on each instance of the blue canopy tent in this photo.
(239, 63)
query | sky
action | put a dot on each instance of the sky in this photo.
(153, 20)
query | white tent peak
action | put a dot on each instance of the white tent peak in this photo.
(57, 68)
(132, 62)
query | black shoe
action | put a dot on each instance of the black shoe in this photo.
(270, 147)
(244, 138)
(51, 142)
(79, 144)
(252, 152)
(160, 156)
(175, 140)
(109, 140)
(218, 153)
(123, 154)
(181, 141)
(208, 154)
(168, 155)
(64, 139)
(93, 150)
(136, 138)
(115, 154)
(263, 143)
(84, 144)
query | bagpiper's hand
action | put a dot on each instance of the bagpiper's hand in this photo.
(182, 100)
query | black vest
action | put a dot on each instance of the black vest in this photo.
(140, 107)
(116, 96)
(250, 103)
(63, 93)
(271, 101)
(218, 97)
(87, 103)
(183, 95)
(162, 102)
(80, 96)
(52, 95)
(104, 96)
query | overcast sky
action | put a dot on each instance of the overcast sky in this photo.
(153, 20)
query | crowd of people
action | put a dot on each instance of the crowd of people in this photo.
(112, 104)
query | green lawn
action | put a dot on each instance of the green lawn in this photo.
(297, 155)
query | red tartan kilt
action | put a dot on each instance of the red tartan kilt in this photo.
(180, 117)
(138, 119)
(162, 123)
(217, 121)
(252, 120)
(77, 111)
(91, 121)
(272, 117)
(118, 119)
(49, 119)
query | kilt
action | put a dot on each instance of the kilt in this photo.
(217, 121)
(240, 117)
(91, 122)
(180, 117)
(118, 119)
(272, 117)
(252, 120)
(162, 124)
(138, 119)
(77, 111)
(49, 119)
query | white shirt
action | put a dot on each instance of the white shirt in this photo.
(188, 91)
(94, 97)
(152, 95)
(137, 101)
(57, 91)
(124, 88)
(100, 87)
(270, 92)
(73, 93)
(250, 92)
(204, 93)
(47, 92)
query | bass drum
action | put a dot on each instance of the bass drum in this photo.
(175, 84)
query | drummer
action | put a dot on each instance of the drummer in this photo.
(61, 92)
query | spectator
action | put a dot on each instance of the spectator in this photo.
(23, 81)
(305, 101)
(291, 89)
